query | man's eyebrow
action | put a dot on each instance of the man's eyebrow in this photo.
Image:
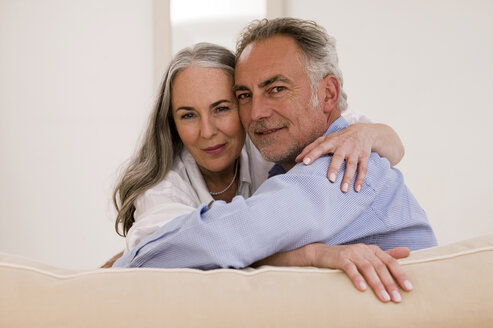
(273, 79)
(239, 87)
(263, 84)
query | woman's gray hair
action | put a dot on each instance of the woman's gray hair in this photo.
(317, 47)
(161, 143)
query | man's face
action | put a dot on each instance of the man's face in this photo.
(274, 97)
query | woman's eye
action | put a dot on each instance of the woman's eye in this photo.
(187, 116)
(222, 109)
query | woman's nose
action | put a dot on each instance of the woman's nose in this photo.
(208, 128)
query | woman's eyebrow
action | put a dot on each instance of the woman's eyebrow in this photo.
(214, 104)
(184, 108)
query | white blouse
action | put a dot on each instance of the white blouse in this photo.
(184, 189)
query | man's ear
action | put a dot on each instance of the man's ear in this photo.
(331, 91)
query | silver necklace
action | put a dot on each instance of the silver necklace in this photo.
(230, 184)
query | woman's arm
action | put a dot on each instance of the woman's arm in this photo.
(354, 145)
(362, 263)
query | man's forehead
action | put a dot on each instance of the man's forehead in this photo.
(262, 60)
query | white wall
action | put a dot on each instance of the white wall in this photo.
(214, 21)
(424, 67)
(78, 79)
(76, 85)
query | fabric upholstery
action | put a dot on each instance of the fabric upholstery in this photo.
(453, 287)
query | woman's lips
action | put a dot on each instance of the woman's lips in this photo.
(214, 150)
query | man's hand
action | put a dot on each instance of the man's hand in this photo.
(354, 145)
(364, 264)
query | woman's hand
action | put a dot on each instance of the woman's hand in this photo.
(354, 145)
(364, 264)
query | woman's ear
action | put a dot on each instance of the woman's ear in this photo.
(331, 90)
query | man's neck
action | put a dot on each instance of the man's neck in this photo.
(334, 115)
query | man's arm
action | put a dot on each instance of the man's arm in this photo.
(362, 264)
(287, 212)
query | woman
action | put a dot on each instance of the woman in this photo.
(195, 149)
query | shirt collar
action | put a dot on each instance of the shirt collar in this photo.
(244, 167)
(337, 125)
(198, 182)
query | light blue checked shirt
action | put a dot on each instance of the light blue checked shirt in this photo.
(288, 211)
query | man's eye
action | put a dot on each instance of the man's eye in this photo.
(242, 96)
(277, 89)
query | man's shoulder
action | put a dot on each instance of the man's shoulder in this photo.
(379, 170)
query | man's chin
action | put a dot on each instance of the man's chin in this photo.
(284, 157)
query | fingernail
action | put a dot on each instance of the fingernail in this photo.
(332, 177)
(358, 188)
(345, 187)
(362, 285)
(396, 296)
(306, 160)
(385, 295)
(408, 285)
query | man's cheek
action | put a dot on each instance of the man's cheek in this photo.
(245, 118)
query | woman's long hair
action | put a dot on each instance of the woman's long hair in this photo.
(161, 143)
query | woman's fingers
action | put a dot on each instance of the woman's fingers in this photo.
(306, 155)
(362, 170)
(351, 166)
(348, 146)
(321, 146)
(335, 166)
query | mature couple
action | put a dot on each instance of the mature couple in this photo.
(177, 201)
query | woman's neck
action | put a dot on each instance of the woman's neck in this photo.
(219, 181)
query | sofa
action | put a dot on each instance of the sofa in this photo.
(453, 287)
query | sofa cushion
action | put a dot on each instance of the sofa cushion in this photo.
(453, 287)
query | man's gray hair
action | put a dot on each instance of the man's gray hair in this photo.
(317, 47)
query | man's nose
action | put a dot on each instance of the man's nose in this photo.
(207, 128)
(260, 108)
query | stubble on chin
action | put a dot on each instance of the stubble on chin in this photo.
(283, 152)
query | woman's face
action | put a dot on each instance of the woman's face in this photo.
(205, 112)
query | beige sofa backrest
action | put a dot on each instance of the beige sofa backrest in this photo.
(453, 288)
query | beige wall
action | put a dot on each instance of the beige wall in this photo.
(76, 84)
(424, 67)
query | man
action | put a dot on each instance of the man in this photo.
(289, 89)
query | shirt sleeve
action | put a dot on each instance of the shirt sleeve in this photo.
(353, 117)
(158, 206)
(287, 212)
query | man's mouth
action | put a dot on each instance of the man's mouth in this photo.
(267, 132)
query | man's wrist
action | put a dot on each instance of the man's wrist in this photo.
(310, 254)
